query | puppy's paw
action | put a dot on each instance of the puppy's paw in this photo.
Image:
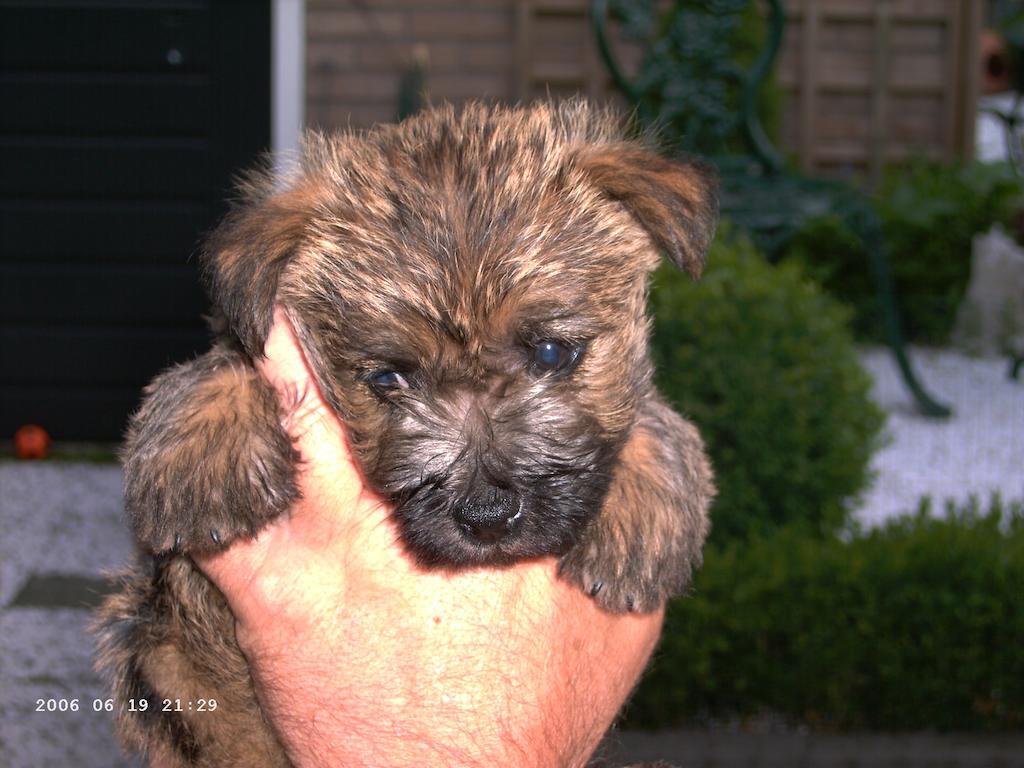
(642, 547)
(206, 459)
(194, 504)
(617, 580)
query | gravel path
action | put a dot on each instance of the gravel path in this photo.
(62, 527)
(57, 519)
(980, 450)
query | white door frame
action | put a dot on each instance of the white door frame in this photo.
(288, 74)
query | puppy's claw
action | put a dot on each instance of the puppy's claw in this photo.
(215, 535)
(600, 577)
(177, 542)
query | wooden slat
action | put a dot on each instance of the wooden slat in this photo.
(950, 70)
(54, 167)
(852, 152)
(101, 294)
(808, 83)
(917, 70)
(880, 77)
(561, 7)
(560, 73)
(843, 118)
(554, 90)
(114, 231)
(862, 86)
(103, 105)
(864, 10)
(593, 76)
(524, 49)
(918, 37)
(170, 37)
(918, 122)
(841, 152)
(968, 78)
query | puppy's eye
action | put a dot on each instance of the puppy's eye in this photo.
(388, 381)
(554, 356)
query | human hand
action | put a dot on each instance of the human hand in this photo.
(362, 658)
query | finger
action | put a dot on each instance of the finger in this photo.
(331, 483)
(308, 419)
(284, 366)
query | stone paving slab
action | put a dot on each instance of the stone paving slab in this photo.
(62, 530)
(47, 666)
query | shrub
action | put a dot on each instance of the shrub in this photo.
(916, 625)
(762, 361)
(831, 254)
(930, 212)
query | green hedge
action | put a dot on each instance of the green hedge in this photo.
(930, 213)
(916, 625)
(762, 361)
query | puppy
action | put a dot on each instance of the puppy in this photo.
(469, 289)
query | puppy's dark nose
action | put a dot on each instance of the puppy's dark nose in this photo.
(490, 518)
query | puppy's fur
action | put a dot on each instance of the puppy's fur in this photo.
(469, 289)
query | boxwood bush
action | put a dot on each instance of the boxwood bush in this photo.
(762, 361)
(915, 625)
(930, 212)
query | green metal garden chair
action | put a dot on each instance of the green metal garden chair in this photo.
(689, 89)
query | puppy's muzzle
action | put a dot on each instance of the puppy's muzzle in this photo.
(491, 517)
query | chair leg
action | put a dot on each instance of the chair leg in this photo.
(871, 234)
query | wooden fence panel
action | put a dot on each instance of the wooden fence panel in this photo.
(872, 82)
(865, 83)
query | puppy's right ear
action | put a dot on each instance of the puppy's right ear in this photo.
(244, 257)
(676, 201)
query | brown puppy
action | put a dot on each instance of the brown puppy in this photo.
(469, 288)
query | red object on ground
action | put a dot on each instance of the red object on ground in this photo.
(31, 442)
(995, 63)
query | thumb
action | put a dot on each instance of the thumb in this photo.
(328, 480)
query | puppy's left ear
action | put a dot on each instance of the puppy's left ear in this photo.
(676, 201)
(245, 256)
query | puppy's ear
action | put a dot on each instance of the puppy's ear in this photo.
(676, 201)
(244, 257)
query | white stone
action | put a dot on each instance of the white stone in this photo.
(990, 320)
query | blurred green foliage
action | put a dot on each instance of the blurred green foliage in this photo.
(915, 625)
(762, 361)
(930, 212)
(696, 63)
